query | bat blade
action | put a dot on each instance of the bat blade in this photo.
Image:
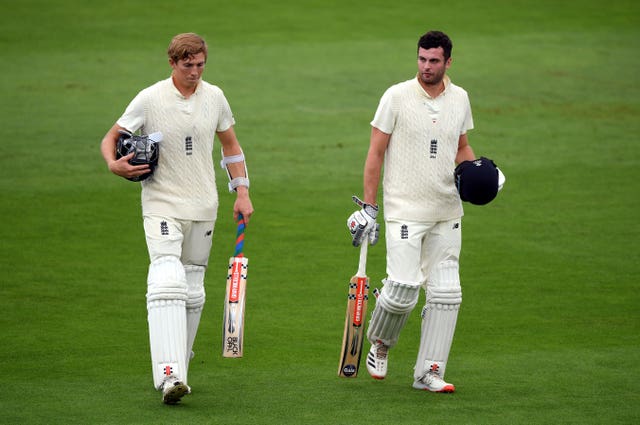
(234, 302)
(353, 336)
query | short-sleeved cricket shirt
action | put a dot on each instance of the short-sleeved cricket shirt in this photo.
(418, 181)
(183, 185)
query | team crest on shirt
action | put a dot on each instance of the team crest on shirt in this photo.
(433, 148)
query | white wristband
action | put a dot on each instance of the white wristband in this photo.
(238, 181)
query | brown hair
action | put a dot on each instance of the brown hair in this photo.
(435, 39)
(185, 45)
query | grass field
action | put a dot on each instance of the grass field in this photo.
(549, 328)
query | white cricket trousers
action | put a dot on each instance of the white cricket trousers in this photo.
(414, 248)
(188, 240)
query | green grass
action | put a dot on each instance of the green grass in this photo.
(549, 328)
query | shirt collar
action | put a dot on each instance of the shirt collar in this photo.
(447, 83)
(180, 95)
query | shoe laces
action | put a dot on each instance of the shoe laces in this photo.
(381, 350)
(430, 377)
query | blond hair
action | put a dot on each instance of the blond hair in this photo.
(185, 45)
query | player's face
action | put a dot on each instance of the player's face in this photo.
(432, 66)
(187, 72)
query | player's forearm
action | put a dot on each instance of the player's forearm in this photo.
(108, 148)
(373, 165)
(371, 181)
(108, 145)
(465, 152)
(237, 169)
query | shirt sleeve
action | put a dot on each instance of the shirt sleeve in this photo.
(226, 116)
(467, 124)
(385, 117)
(133, 117)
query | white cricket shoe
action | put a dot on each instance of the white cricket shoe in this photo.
(377, 360)
(431, 381)
(173, 390)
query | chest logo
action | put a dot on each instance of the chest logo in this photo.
(433, 148)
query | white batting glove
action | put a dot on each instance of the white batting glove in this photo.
(374, 235)
(362, 224)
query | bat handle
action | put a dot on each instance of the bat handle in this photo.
(240, 237)
(362, 264)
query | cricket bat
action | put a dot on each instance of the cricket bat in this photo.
(234, 300)
(354, 321)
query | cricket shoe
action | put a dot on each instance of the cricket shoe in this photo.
(431, 381)
(377, 360)
(173, 390)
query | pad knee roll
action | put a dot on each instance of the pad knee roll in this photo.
(166, 280)
(444, 285)
(395, 303)
(195, 286)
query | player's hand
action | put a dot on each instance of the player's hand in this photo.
(243, 205)
(362, 224)
(122, 168)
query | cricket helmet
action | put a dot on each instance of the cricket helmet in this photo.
(477, 181)
(146, 149)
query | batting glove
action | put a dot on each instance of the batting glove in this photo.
(374, 235)
(362, 224)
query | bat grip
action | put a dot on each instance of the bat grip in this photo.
(240, 237)
(362, 264)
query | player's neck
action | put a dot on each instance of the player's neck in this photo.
(185, 89)
(433, 90)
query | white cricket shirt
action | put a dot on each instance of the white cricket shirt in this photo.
(183, 185)
(418, 181)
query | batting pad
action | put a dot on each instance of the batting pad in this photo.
(194, 305)
(439, 316)
(166, 308)
(393, 306)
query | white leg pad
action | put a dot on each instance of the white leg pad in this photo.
(166, 308)
(395, 303)
(439, 316)
(195, 303)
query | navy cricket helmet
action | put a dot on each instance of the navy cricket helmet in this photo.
(477, 181)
